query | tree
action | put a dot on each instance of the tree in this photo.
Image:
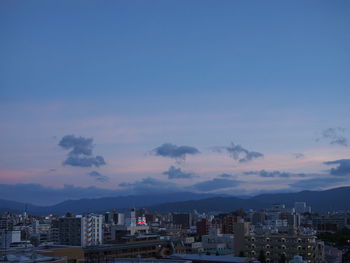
(283, 258)
(262, 257)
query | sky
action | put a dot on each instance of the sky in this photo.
(128, 97)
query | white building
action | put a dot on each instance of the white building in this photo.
(131, 226)
(217, 241)
(91, 229)
(9, 236)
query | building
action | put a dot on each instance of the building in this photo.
(145, 260)
(142, 248)
(202, 227)
(217, 241)
(276, 245)
(333, 255)
(329, 223)
(184, 220)
(114, 218)
(9, 236)
(228, 223)
(206, 259)
(80, 230)
(258, 218)
(301, 208)
(69, 229)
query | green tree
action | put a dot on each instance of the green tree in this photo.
(283, 258)
(262, 257)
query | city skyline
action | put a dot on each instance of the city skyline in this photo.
(146, 97)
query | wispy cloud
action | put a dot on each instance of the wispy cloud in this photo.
(238, 153)
(99, 177)
(226, 175)
(173, 151)
(264, 173)
(148, 185)
(334, 136)
(299, 155)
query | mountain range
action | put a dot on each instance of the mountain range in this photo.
(320, 201)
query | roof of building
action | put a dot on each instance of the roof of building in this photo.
(143, 260)
(207, 258)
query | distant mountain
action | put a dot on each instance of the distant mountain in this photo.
(321, 201)
(101, 204)
(121, 202)
(215, 204)
(12, 206)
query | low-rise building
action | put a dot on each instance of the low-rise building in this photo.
(277, 245)
(217, 241)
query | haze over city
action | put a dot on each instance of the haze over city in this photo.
(139, 97)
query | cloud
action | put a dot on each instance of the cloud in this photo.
(99, 177)
(342, 169)
(77, 145)
(174, 151)
(226, 175)
(334, 135)
(215, 184)
(238, 153)
(84, 161)
(80, 154)
(149, 185)
(177, 173)
(299, 155)
(317, 183)
(264, 173)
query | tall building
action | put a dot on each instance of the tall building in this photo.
(184, 220)
(228, 223)
(131, 226)
(202, 227)
(92, 230)
(114, 218)
(80, 230)
(69, 229)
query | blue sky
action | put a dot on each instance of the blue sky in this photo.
(269, 76)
